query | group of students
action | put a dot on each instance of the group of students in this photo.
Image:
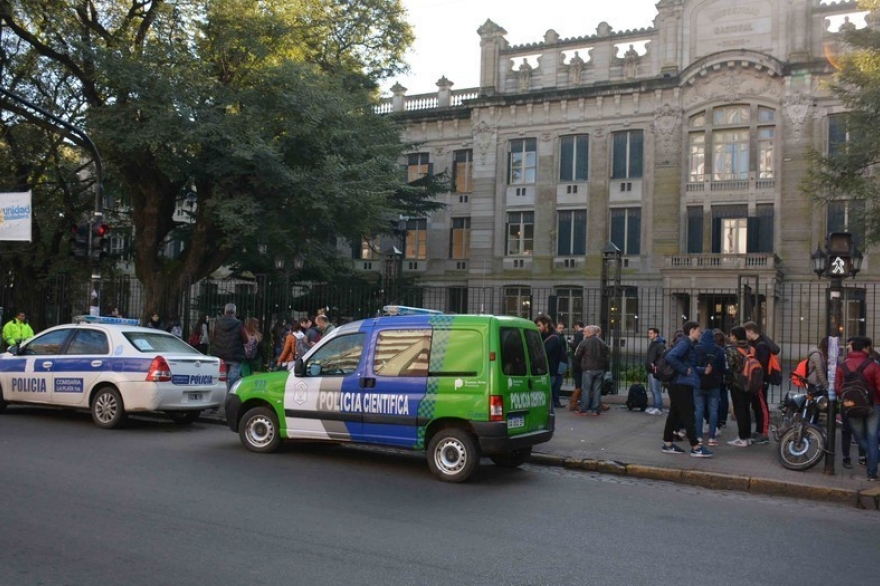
(293, 338)
(699, 389)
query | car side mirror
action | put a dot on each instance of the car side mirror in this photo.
(13, 349)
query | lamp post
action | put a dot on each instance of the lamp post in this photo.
(281, 265)
(609, 318)
(839, 260)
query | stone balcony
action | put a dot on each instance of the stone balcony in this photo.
(753, 261)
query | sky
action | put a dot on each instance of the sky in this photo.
(447, 42)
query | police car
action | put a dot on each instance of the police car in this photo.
(112, 367)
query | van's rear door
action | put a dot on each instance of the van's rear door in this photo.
(526, 385)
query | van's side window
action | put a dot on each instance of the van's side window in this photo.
(513, 356)
(402, 353)
(537, 354)
(339, 356)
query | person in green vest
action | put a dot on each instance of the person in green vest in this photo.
(17, 330)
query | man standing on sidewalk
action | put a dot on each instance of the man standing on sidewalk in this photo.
(656, 346)
(763, 347)
(865, 429)
(227, 342)
(554, 345)
(576, 373)
(683, 358)
(592, 354)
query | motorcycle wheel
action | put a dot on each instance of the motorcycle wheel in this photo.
(804, 454)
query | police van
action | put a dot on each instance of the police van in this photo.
(112, 367)
(455, 386)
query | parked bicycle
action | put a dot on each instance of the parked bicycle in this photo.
(801, 441)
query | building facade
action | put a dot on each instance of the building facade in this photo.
(683, 144)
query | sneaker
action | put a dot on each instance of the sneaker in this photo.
(713, 441)
(701, 452)
(761, 439)
(671, 449)
(719, 431)
(863, 461)
(872, 478)
(739, 443)
(659, 412)
(847, 463)
(650, 410)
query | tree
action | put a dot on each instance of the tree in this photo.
(847, 172)
(263, 110)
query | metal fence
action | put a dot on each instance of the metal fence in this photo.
(794, 315)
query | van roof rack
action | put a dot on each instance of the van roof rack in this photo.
(101, 319)
(404, 310)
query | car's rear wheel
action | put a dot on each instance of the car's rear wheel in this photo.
(453, 454)
(183, 417)
(108, 412)
(513, 459)
(259, 431)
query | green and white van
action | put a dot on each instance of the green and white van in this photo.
(456, 386)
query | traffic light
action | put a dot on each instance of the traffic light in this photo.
(79, 241)
(100, 246)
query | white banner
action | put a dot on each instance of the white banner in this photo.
(16, 214)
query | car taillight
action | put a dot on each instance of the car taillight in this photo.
(223, 369)
(159, 371)
(496, 408)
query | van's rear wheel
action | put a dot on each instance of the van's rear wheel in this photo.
(453, 455)
(513, 459)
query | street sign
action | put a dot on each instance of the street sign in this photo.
(838, 266)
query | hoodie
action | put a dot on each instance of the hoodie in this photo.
(708, 352)
(655, 349)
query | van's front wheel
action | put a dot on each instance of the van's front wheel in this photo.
(453, 455)
(513, 459)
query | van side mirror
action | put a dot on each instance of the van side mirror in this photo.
(298, 367)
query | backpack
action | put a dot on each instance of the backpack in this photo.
(774, 370)
(663, 369)
(855, 399)
(250, 349)
(637, 398)
(195, 338)
(799, 374)
(744, 372)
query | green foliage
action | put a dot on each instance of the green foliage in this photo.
(634, 374)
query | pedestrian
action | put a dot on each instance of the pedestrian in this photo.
(592, 353)
(724, 398)
(154, 322)
(866, 430)
(201, 331)
(252, 348)
(707, 395)
(175, 328)
(740, 397)
(656, 347)
(227, 342)
(576, 372)
(763, 347)
(279, 332)
(17, 330)
(313, 333)
(683, 358)
(288, 353)
(554, 346)
(302, 342)
(323, 324)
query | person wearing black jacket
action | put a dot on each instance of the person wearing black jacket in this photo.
(576, 372)
(556, 355)
(656, 347)
(763, 347)
(709, 391)
(227, 342)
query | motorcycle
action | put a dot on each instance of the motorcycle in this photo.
(801, 441)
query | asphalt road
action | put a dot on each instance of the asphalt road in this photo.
(157, 503)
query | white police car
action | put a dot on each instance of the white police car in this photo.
(112, 367)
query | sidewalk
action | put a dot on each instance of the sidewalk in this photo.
(628, 443)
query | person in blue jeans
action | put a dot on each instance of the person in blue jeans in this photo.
(592, 354)
(708, 393)
(865, 429)
(554, 345)
(656, 347)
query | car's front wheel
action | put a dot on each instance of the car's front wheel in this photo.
(108, 411)
(259, 431)
(183, 417)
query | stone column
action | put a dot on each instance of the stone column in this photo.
(399, 97)
(444, 92)
(492, 41)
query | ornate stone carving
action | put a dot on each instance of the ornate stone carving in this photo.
(666, 122)
(731, 85)
(484, 139)
(796, 109)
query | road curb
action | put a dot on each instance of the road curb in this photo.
(713, 480)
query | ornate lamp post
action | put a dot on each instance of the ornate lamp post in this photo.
(281, 265)
(839, 260)
(610, 311)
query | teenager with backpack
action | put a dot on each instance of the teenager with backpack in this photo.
(866, 430)
(764, 349)
(736, 354)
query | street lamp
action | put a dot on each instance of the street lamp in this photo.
(839, 260)
(612, 259)
(281, 265)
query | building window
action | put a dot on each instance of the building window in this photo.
(838, 134)
(628, 155)
(572, 233)
(518, 301)
(416, 239)
(694, 230)
(460, 239)
(626, 228)
(733, 235)
(730, 155)
(417, 166)
(847, 216)
(735, 232)
(574, 153)
(520, 233)
(463, 171)
(370, 248)
(569, 306)
(696, 157)
(766, 164)
(522, 161)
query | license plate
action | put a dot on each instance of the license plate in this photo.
(195, 397)
(516, 421)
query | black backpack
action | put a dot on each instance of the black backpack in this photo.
(855, 399)
(663, 369)
(637, 398)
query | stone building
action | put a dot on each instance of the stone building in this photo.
(682, 144)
